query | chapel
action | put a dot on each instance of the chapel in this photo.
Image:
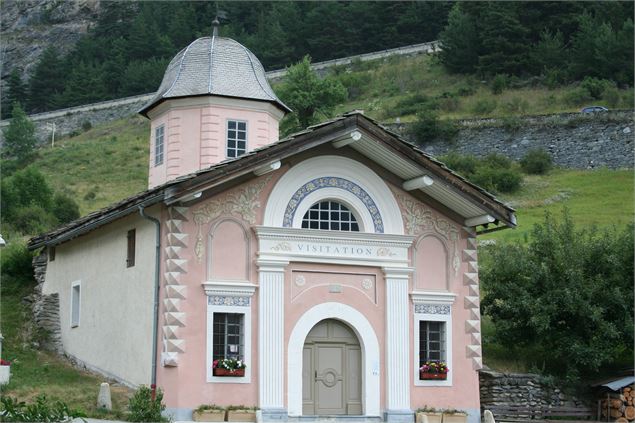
(331, 270)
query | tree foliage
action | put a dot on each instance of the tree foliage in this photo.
(565, 298)
(310, 97)
(565, 41)
(19, 136)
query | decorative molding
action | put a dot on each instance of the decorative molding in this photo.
(332, 182)
(471, 303)
(367, 284)
(419, 219)
(397, 344)
(432, 297)
(433, 309)
(242, 202)
(300, 280)
(229, 288)
(218, 300)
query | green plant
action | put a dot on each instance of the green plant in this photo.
(242, 408)
(511, 123)
(16, 262)
(429, 128)
(228, 364)
(517, 105)
(143, 408)
(595, 87)
(498, 179)
(576, 97)
(426, 409)
(209, 407)
(434, 367)
(65, 209)
(564, 298)
(86, 125)
(484, 106)
(499, 84)
(536, 162)
(612, 97)
(42, 410)
(19, 136)
(463, 164)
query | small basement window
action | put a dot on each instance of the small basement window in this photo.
(236, 138)
(75, 304)
(130, 255)
(330, 215)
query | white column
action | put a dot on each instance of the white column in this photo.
(397, 345)
(271, 338)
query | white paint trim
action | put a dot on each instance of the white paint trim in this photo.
(229, 288)
(370, 354)
(397, 342)
(432, 297)
(79, 304)
(335, 166)
(215, 101)
(246, 312)
(447, 318)
(247, 143)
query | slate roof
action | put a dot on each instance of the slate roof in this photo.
(301, 141)
(215, 66)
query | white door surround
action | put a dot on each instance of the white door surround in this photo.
(370, 354)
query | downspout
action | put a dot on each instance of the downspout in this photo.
(155, 323)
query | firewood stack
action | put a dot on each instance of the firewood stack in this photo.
(619, 406)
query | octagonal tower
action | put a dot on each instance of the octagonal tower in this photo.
(214, 104)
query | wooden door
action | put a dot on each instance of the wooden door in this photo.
(331, 371)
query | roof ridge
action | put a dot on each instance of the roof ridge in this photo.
(211, 63)
(180, 69)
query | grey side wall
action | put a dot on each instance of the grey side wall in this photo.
(574, 140)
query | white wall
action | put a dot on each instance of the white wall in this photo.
(115, 331)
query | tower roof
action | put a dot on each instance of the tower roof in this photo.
(215, 66)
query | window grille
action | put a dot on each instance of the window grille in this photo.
(330, 215)
(228, 336)
(431, 341)
(236, 138)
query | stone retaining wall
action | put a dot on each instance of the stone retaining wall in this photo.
(574, 140)
(519, 389)
(46, 308)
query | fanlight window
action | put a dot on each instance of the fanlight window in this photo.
(330, 215)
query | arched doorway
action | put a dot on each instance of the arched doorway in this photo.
(331, 370)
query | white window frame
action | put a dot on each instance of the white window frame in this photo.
(74, 285)
(329, 221)
(354, 205)
(237, 121)
(433, 299)
(156, 145)
(228, 289)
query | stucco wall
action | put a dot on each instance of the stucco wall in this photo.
(115, 331)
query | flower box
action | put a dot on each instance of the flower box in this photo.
(209, 416)
(229, 373)
(241, 415)
(454, 418)
(428, 417)
(432, 376)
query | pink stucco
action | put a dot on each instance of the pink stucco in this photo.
(195, 137)
(185, 386)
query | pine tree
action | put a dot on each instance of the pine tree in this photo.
(19, 136)
(47, 82)
(15, 93)
(460, 42)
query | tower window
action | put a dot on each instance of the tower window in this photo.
(159, 135)
(330, 215)
(236, 138)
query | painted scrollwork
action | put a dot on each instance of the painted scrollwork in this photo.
(242, 202)
(418, 219)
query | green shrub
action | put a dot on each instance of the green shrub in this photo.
(65, 209)
(429, 128)
(465, 90)
(86, 125)
(484, 106)
(463, 164)
(16, 262)
(499, 83)
(355, 83)
(33, 219)
(517, 105)
(449, 103)
(498, 180)
(413, 104)
(497, 161)
(595, 87)
(577, 97)
(511, 123)
(12, 410)
(143, 409)
(612, 97)
(536, 162)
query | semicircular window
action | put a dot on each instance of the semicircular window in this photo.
(330, 215)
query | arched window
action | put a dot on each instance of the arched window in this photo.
(330, 215)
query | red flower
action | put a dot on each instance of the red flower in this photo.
(4, 362)
(215, 364)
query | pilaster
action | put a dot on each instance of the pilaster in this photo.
(397, 345)
(271, 338)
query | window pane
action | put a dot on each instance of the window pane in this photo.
(231, 124)
(330, 215)
(242, 126)
(228, 336)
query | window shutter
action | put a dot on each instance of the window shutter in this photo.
(130, 257)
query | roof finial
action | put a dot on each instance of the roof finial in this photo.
(215, 25)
